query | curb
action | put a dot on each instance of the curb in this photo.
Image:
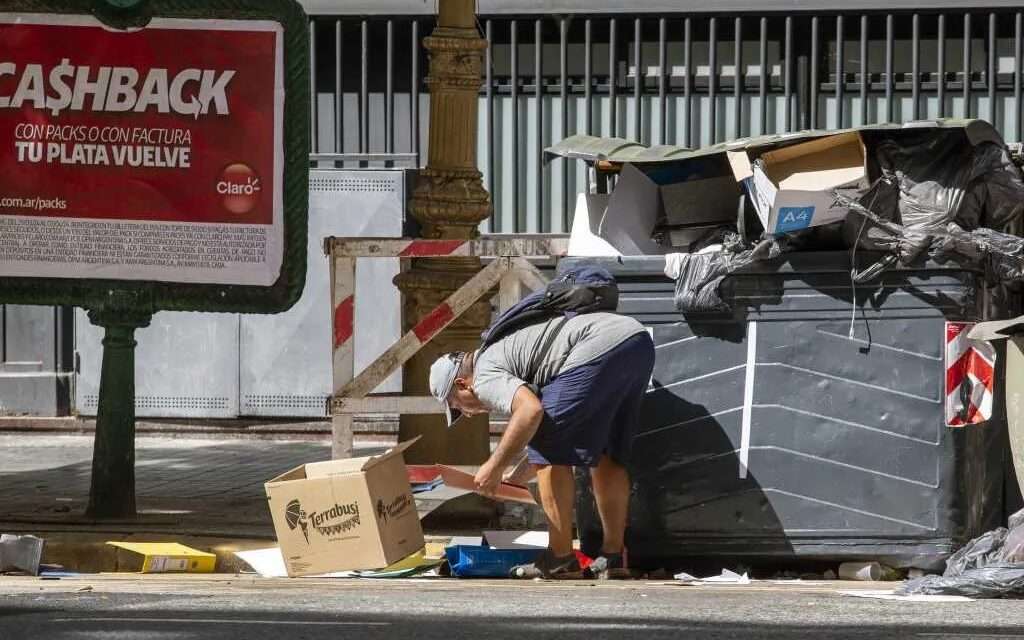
(90, 553)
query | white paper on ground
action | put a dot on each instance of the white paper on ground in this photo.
(269, 563)
(891, 595)
(466, 541)
(516, 539)
(727, 577)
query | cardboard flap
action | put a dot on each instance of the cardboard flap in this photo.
(399, 449)
(742, 168)
(997, 329)
(335, 467)
(298, 473)
(817, 165)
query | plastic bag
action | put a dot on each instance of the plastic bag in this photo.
(977, 553)
(988, 566)
(1000, 255)
(698, 285)
(994, 581)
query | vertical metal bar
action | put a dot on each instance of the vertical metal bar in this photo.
(662, 79)
(967, 66)
(991, 77)
(915, 65)
(941, 66)
(890, 105)
(865, 79)
(563, 72)
(737, 77)
(489, 92)
(364, 91)
(538, 93)
(762, 94)
(519, 216)
(1018, 55)
(414, 91)
(588, 77)
(840, 71)
(713, 78)
(314, 147)
(389, 92)
(613, 79)
(688, 81)
(339, 90)
(638, 81)
(814, 71)
(787, 76)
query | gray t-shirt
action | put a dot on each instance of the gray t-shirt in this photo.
(516, 359)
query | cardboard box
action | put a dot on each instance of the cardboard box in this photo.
(791, 187)
(349, 514)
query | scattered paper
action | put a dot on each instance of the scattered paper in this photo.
(726, 577)
(466, 541)
(516, 539)
(892, 595)
(269, 563)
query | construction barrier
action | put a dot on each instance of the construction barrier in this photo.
(509, 270)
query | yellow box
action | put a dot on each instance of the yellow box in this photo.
(169, 557)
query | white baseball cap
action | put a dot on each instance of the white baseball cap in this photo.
(443, 373)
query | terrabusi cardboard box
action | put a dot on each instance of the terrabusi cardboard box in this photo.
(344, 515)
(791, 187)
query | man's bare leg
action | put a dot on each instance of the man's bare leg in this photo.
(611, 491)
(557, 493)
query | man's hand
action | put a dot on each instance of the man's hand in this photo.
(488, 478)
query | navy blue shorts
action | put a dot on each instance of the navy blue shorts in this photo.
(594, 409)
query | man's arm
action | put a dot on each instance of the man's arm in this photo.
(527, 413)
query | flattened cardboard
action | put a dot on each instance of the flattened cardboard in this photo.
(343, 515)
(460, 479)
(633, 211)
(791, 187)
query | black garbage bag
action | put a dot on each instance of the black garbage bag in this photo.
(989, 566)
(700, 275)
(999, 580)
(1000, 255)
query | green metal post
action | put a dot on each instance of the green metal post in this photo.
(112, 491)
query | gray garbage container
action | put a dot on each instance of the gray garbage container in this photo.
(769, 434)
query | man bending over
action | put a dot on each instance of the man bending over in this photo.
(573, 387)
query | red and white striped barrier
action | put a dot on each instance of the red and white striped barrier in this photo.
(490, 246)
(970, 376)
(510, 269)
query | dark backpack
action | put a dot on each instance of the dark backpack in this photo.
(582, 289)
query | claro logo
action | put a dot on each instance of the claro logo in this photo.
(239, 188)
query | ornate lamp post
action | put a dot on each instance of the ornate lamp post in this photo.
(449, 201)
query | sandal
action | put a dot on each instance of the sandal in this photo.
(549, 567)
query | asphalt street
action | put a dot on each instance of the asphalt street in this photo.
(242, 607)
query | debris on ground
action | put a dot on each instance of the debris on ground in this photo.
(726, 577)
(20, 554)
(989, 566)
(166, 557)
(269, 563)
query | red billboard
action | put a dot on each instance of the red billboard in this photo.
(149, 154)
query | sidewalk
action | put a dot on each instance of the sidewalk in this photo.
(192, 486)
(202, 492)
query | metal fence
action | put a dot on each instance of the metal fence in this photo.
(691, 80)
